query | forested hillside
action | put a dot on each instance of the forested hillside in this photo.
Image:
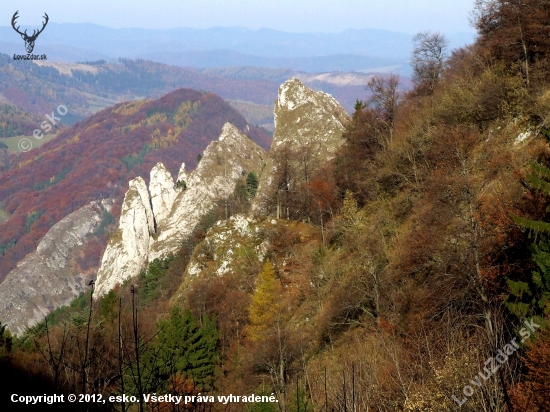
(409, 273)
(17, 122)
(96, 159)
(88, 88)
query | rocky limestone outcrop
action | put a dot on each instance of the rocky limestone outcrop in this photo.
(138, 195)
(308, 126)
(240, 245)
(46, 278)
(161, 187)
(224, 161)
(128, 247)
(226, 238)
(182, 175)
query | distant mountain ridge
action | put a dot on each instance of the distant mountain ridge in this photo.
(212, 47)
(313, 64)
(85, 89)
(130, 42)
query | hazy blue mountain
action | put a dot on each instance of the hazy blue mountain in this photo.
(55, 52)
(225, 46)
(228, 58)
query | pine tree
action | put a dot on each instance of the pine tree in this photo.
(251, 184)
(531, 297)
(151, 278)
(108, 307)
(203, 355)
(184, 346)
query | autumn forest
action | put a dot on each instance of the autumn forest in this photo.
(399, 272)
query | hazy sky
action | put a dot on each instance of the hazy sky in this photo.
(409, 16)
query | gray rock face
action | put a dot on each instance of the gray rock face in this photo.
(161, 187)
(175, 211)
(46, 278)
(308, 128)
(224, 161)
(127, 250)
(139, 195)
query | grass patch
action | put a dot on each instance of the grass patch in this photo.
(12, 142)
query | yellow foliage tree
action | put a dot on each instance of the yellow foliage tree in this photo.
(154, 119)
(265, 309)
(352, 216)
(130, 108)
(182, 117)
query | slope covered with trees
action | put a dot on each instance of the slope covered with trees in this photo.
(16, 122)
(88, 88)
(96, 159)
(412, 273)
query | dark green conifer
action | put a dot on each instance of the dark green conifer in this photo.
(531, 297)
(184, 345)
(251, 184)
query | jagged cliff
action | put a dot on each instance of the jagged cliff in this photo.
(91, 159)
(153, 223)
(223, 162)
(155, 219)
(307, 123)
(49, 278)
(308, 130)
(163, 193)
(127, 250)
